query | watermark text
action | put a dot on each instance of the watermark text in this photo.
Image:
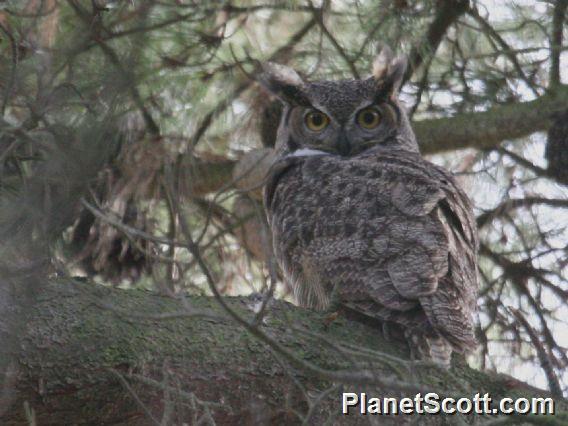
(432, 403)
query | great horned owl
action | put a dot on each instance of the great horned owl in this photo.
(358, 216)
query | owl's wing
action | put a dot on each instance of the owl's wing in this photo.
(416, 268)
(277, 171)
(427, 253)
(451, 307)
(392, 234)
(283, 192)
(445, 235)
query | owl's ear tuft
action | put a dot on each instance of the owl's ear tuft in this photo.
(285, 83)
(389, 71)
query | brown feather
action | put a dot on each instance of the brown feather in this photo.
(392, 231)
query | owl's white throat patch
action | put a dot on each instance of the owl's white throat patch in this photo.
(307, 152)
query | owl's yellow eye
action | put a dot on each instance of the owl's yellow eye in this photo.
(368, 118)
(316, 121)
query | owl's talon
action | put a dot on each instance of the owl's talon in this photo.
(331, 318)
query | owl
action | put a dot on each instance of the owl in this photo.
(360, 220)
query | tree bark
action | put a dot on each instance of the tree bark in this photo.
(97, 355)
(487, 129)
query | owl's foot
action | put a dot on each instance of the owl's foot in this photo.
(429, 348)
(334, 308)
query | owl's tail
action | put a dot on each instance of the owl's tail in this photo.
(432, 348)
(440, 351)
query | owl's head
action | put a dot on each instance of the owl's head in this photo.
(343, 117)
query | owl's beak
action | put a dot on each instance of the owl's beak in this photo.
(342, 144)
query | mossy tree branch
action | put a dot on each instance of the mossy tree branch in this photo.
(487, 129)
(104, 356)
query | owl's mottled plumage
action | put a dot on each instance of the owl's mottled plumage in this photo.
(357, 213)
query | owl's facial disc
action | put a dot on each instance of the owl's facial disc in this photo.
(317, 121)
(343, 144)
(345, 117)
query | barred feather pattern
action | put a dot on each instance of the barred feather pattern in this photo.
(386, 232)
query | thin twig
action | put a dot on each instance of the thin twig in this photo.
(10, 85)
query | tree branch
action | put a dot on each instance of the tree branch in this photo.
(487, 129)
(544, 358)
(491, 33)
(558, 17)
(508, 205)
(447, 14)
(82, 348)
(222, 106)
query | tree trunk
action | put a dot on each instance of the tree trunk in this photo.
(98, 355)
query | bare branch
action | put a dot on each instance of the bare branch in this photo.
(447, 14)
(487, 129)
(558, 18)
(545, 362)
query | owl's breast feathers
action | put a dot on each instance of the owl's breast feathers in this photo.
(393, 234)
